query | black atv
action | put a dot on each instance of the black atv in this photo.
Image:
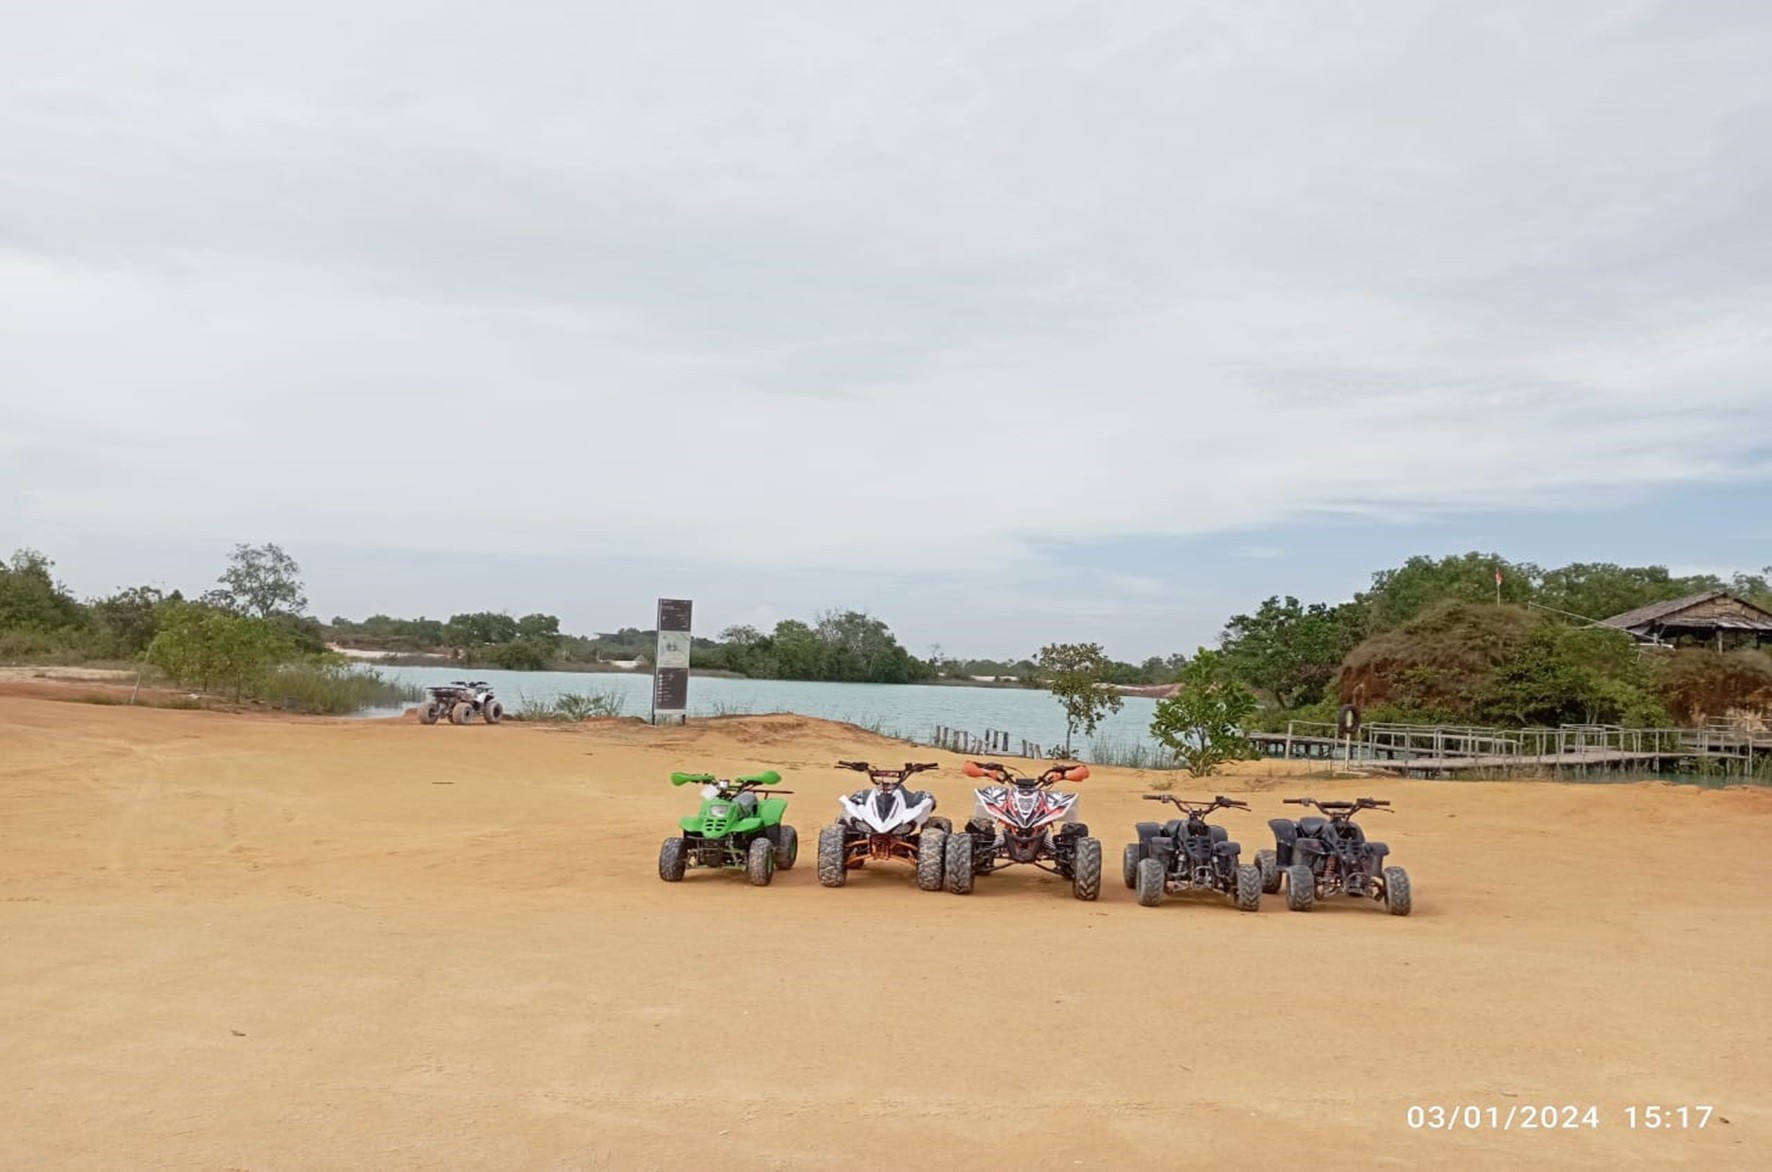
(1190, 854)
(1331, 855)
(461, 701)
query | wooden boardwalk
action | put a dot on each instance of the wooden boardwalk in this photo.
(1426, 751)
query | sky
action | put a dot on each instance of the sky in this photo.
(1008, 322)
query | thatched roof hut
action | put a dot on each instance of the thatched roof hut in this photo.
(1712, 616)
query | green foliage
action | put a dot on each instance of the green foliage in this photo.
(572, 707)
(207, 648)
(1288, 652)
(260, 581)
(1699, 684)
(1401, 594)
(31, 598)
(329, 686)
(1569, 676)
(1205, 722)
(1074, 674)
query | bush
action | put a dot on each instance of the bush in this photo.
(330, 688)
(1697, 685)
(571, 707)
(1203, 722)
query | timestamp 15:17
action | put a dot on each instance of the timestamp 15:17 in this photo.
(1655, 1118)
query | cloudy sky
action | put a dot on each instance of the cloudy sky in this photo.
(1009, 321)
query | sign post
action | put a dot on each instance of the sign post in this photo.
(670, 662)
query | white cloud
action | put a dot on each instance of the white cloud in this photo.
(830, 288)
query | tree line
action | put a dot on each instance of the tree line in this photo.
(1435, 640)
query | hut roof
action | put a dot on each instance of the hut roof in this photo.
(1737, 616)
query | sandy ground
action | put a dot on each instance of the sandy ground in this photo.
(260, 942)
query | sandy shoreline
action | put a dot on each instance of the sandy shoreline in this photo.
(270, 941)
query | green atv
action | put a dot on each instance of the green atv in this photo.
(733, 829)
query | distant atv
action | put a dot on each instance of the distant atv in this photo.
(1020, 820)
(732, 830)
(1190, 854)
(461, 701)
(1321, 857)
(882, 823)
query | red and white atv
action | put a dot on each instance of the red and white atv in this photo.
(1019, 819)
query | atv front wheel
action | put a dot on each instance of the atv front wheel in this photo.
(1150, 882)
(1301, 888)
(671, 862)
(787, 845)
(932, 846)
(1086, 869)
(759, 861)
(1396, 891)
(959, 864)
(493, 711)
(1248, 888)
(461, 713)
(832, 871)
(1269, 864)
(1129, 865)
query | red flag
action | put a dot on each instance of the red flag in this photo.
(1498, 577)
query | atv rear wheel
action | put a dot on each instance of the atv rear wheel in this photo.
(1396, 891)
(1248, 888)
(1301, 888)
(787, 845)
(493, 711)
(1269, 864)
(932, 846)
(1131, 864)
(671, 862)
(461, 713)
(959, 864)
(1150, 882)
(832, 871)
(428, 714)
(759, 861)
(1086, 869)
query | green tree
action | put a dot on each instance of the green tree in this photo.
(795, 651)
(31, 598)
(1599, 590)
(480, 629)
(261, 581)
(208, 648)
(1203, 723)
(1074, 674)
(1398, 595)
(1288, 652)
(129, 619)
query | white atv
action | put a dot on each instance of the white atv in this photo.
(461, 701)
(885, 822)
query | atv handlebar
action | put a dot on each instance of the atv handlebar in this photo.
(1219, 802)
(874, 774)
(1003, 773)
(1343, 809)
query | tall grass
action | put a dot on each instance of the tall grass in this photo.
(571, 707)
(1129, 755)
(330, 689)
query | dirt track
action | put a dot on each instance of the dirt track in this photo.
(256, 942)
